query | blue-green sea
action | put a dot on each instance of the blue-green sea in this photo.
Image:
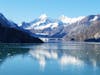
(71, 58)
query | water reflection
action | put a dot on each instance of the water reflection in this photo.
(7, 51)
(74, 54)
(70, 60)
(64, 54)
(43, 55)
(63, 59)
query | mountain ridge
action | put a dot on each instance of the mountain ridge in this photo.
(11, 33)
(73, 28)
(84, 28)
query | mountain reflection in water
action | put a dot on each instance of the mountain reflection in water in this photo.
(60, 55)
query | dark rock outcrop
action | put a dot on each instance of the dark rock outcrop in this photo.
(11, 33)
(92, 40)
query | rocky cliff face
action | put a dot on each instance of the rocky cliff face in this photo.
(88, 29)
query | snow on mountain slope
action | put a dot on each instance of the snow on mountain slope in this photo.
(42, 19)
(94, 19)
(45, 22)
(87, 28)
(51, 25)
(41, 23)
(73, 28)
(68, 20)
(44, 25)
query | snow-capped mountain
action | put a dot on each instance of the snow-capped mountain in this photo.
(44, 22)
(86, 29)
(44, 26)
(41, 23)
(80, 28)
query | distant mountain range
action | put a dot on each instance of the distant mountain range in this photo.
(83, 28)
(45, 27)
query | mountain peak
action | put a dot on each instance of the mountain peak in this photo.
(43, 16)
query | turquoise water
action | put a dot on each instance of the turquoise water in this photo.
(69, 58)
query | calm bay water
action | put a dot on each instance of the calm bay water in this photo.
(69, 58)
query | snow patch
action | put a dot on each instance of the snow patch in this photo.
(50, 25)
(97, 35)
(94, 19)
(68, 20)
(54, 25)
